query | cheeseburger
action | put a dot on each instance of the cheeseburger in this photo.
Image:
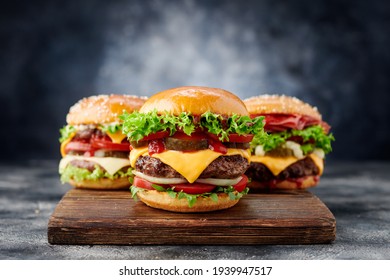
(291, 154)
(190, 149)
(95, 153)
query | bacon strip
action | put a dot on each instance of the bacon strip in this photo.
(282, 122)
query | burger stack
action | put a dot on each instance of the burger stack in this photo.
(193, 149)
(95, 152)
(291, 155)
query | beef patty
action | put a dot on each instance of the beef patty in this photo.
(223, 167)
(304, 167)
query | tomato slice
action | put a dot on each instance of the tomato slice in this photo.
(78, 146)
(105, 143)
(195, 188)
(195, 136)
(241, 185)
(143, 184)
(246, 138)
(156, 135)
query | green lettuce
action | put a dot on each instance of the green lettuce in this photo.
(78, 174)
(313, 137)
(139, 125)
(112, 128)
(66, 132)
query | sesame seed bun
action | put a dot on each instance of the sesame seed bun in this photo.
(280, 104)
(100, 109)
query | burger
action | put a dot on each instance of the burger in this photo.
(190, 149)
(291, 153)
(95, 153)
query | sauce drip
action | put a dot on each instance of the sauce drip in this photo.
(156, 146)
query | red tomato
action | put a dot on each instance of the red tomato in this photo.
(78, 146)
(240, 186)
(234, 137)
(143, 184)
(156, 135)
(195, 188)
(195, 136)
(106, 144)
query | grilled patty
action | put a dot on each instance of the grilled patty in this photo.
(224, 167)
(304, 167)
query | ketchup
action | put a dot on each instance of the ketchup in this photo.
(217, 146)
(156, 146)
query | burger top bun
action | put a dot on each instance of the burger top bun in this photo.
(195, 100)
(100, 109)
(280, 104)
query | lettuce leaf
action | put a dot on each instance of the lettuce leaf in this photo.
(112, 128)
(66, 132)
(313, 137)
(139, 125)
(221, 127)
(78, 174)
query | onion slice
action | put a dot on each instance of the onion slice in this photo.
(159, 180)
(219, 182)
(170, 181)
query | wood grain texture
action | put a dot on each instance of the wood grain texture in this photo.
(112, 217)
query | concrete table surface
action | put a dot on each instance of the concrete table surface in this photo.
(358, 194)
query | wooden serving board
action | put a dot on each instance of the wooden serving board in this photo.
(112, 217)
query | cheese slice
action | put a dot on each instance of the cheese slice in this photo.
(278, 164)
(116, 137)
(190, 165)
(63, 144)
(136, 153)
(318, 161)
(110, 164)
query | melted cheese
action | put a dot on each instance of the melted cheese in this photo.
(318, 161)
(278, 164)
(63, 144)
(136, 153)
(189, 165)
(116, 137)
(110, 164)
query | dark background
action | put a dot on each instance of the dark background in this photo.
(333, 54)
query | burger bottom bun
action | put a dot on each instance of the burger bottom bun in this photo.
(300, 183)
(102, 184)
(162, 200)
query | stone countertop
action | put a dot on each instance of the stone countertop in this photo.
(358, 194)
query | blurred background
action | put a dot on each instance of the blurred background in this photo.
(332, 54)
